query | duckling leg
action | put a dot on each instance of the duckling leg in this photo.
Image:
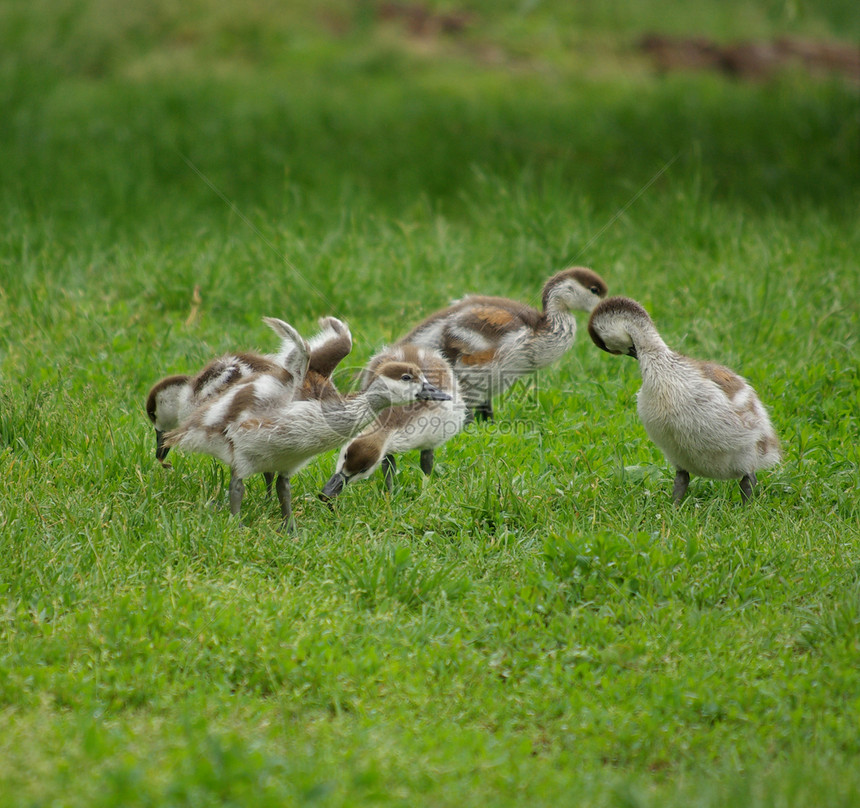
(389, 469)
(748, 481)
(282, 486)
(484, 412)
(426, 460)
(237, 491)
(269, 478)
(682, 480)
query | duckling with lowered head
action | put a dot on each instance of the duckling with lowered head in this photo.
(492, 341)
(172, 399)
(705, 418)
(255, 426)
(424, 425)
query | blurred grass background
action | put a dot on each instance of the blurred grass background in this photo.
(272, 100)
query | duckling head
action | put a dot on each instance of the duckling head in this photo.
(612, 323)
(573, 289)
(162, 406)
(357, 461)
(403, 382)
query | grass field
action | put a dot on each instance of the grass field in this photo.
(534, 624)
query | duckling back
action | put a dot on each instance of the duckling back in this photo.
(706, 419)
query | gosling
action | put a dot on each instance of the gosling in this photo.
(424, 425)
(705, 418)
(172, 399)
(256, 427)
(492, 341)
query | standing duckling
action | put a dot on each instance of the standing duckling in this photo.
(492, 341)
(172, 399)
(253, 427)
(705, 418)
(424, 425)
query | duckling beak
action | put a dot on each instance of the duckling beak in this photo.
(333, 487)
(160, 449)
(430, 393)
(631, 351)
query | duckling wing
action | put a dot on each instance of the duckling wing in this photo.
(329, 347)
(217, 376)
(493, 318)
(727, 380)
(475, 336)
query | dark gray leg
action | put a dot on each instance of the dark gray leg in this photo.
(269, 478)
(682, 480)
(237, 491)
(426, 460)
(484, 412)
(389, 469)
(282, 487)
(748, 481)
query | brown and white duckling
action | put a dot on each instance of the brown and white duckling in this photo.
(172, 399)
(705, 418)
(424, 425)
(253, 427)
(492, 341)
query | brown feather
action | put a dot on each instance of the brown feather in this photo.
(479, 357)
(317, 387)
(325, 359)
(728, 381)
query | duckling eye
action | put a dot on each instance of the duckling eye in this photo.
(406, 377)
(595, 290)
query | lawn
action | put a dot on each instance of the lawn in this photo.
(534, 624)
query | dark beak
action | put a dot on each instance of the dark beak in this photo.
(631, 351)
(430, 393)
(160, 449)
(333, 487)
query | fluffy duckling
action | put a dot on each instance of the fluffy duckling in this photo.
(492, 341)
(705, 418)
(257, 426)
(424, 425)
(172, 399)
(310, 365)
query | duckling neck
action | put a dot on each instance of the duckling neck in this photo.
(553, 336)
(361, 408)
(345, 416)
(651, 351)
(554, 307)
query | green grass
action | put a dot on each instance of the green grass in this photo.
(534, 624)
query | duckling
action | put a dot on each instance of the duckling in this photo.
(424, 425)
(256, 427)
(492, 341)
(172, 399)
(705, 418)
